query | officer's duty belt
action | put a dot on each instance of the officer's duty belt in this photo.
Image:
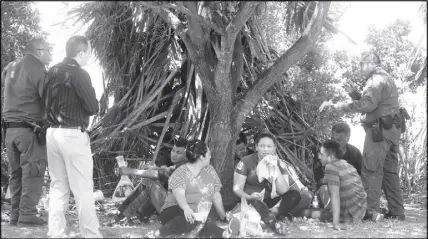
(18, 125)
(369, 125)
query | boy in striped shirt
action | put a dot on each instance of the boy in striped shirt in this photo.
(348, 200)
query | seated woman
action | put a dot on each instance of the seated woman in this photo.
(193, 188)
(247, 185)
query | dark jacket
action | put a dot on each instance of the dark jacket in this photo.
(69, 96)
(23, 87)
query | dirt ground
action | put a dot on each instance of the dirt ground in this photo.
(415, 225)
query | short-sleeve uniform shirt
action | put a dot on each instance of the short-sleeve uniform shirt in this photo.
(199, 190)
(353, 198)
(247, 167)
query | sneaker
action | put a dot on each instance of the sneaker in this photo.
(398, 217)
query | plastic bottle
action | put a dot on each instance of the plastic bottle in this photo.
(315, 202)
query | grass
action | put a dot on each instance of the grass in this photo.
(415, 226)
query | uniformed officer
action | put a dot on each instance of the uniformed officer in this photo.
(23, 82)
(382, 121)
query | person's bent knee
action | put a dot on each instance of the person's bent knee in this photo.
(306, 197)
(294, 196)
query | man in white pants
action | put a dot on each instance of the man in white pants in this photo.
(70, 100)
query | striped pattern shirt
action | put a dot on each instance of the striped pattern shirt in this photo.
(353, 198)
(69, 96)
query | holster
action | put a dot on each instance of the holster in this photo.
(403, 116)
(40, 131)
(387, 121)
(41, 134)
(376, 127)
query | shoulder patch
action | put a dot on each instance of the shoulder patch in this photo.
(240, 165)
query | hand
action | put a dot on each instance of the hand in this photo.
(189, 215)
(340, 106)
(223, 218)
(349, 88)
(257, 196)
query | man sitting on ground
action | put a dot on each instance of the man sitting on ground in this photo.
(150, 194)
(341, 132)
(345, 190)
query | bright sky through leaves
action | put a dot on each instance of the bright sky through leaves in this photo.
(355, 22)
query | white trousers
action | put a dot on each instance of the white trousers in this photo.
(70, 167)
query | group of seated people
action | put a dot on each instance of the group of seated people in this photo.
(183, 189)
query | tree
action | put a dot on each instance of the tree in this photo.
(19, 23)
(216, 40)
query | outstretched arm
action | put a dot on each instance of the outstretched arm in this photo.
(152, 174)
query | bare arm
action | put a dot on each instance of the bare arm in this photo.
(282, 185)
(180, 196)
(335, 204)
(282, 182)
(218, 205)
(152, 174)
(238, 186)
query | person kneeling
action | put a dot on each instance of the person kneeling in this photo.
(343, 194)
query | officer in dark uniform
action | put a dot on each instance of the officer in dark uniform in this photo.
(22, 113)
(383, 123)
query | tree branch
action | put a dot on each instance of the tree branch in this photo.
(186, 11)
(282, 64)
(245, 12)
(202, 67)
(225, 55)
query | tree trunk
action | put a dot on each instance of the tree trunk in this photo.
(221, 144)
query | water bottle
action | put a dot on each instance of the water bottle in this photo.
(315, 202)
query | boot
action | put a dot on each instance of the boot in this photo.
(31, 221)
(388, 215)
